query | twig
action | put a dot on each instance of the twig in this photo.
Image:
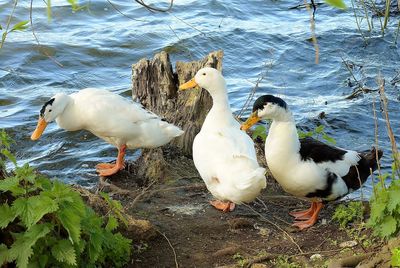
(37, 39)
(155, 9)
(115, 189)
(312, 26)
(123, 14)
(173, 249)
(8, 23)
(277, 226)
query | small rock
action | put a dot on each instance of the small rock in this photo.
(348, 244)
(323, 221)
(315, 257)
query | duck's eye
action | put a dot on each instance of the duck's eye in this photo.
(50, 110)
(204, 73)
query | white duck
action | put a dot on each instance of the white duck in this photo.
(110, 117)
(224, 156)
(307, 167)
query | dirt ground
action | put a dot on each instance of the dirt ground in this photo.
(191, 233)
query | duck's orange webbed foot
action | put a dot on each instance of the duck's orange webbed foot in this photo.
(108, 169)
(224, 206)
(304, 214)
(316, 208)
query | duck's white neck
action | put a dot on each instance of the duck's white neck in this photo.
(282, 136)
(220, 112)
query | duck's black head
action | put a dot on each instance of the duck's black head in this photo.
(262, 101)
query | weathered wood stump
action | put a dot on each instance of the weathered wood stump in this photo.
(155, 86)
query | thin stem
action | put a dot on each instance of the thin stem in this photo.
(8, 24)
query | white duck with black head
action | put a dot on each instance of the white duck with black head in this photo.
(110, 117)
(224, 156)
(307, 167)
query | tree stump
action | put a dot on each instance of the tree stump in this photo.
(155, 85)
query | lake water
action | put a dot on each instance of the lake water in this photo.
(97, 46)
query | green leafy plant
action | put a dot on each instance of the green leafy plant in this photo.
(385, 209)
(318, 133)
(45, 223)
(395, 262)
(260, 131)
(349, 212)
(283, 262)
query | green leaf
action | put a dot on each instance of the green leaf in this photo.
(377, 210)
(328, 138)
(388, 226)
(336, 3)
(319, 129)
(32, 209)
(12, 184)
(71, 221)
(112, 223)
(26, 173)
(394, 200)
(260, 131)
(9, 155)
(20, 26)
(1, 27)
(7, 216)
(21, 250)
(64, 251)
(395, 257)
(3, 254)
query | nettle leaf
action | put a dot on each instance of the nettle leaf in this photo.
(12, 184)
(388, 226)
(71, 221)
(112, 223)
(377, 210)
(32, 209)
(26, 172)
(394, 200)
(336, 3)
(9, 155)
(7, 216)
(3, 254)
(64, 251)
(22, 25)
(21, 250)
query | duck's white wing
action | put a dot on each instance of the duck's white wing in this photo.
(96, 103)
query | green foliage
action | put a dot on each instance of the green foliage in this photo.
(395, 262)
(336, 3)
(318, 133)
(345, 213)
(283, 262)
(385, 210)
(49, 225)
(259, 131)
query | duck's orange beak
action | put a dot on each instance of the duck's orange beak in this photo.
(189, 84)
(250, 121)
(41, 126)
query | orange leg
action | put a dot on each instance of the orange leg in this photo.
(224, 206)
(107, 169)
(304, 214)
(312, 220)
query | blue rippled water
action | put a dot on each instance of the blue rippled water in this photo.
(97, 46)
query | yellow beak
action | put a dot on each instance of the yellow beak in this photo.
(189, 84)
(41, 125)
(250, 121)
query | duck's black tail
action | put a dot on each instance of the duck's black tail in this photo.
(358, 174)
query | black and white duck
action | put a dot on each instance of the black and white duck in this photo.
(307, 167)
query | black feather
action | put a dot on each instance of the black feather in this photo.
(312, 149)
(50, 102)
(263, 100)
